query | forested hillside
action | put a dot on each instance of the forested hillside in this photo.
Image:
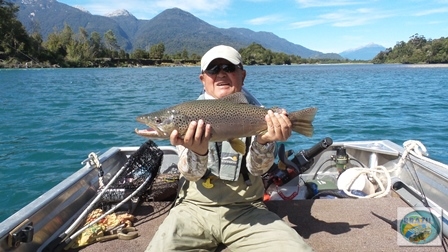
(67, 48)
(417, 50)
(175, 28)
(79, 48)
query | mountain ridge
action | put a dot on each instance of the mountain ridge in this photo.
(366, 52)
(118, 13)
(177, 29)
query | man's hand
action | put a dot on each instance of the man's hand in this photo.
(196, 138)
(279, 128)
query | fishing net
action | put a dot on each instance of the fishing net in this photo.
(137, 175)
(125, 188)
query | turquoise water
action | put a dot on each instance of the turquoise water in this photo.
(51, 119)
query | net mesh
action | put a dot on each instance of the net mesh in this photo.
(141, 165)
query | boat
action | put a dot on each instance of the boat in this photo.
(339, 196)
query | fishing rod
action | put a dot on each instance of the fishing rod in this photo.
(286, 169)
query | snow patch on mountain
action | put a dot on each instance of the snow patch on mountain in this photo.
(81, 9)
(118, 13)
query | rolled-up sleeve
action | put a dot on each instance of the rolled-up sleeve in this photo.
(191, 165)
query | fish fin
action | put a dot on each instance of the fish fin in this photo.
(238, 145)
(302, 121)
(237, 97)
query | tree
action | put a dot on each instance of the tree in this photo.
(417, 41)
(111, 42)
(95, 42)
(14, 42)
(379, 58)
(417, 50)
(54, 44)
(7, 24)
(184, 54)
(37, 42)
(122, 54)
(157, 51)
(74, 55)
(79, 51)
(140, 54)
(83, 35)
(67, 34)
(256, 54)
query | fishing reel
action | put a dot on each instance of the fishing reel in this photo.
(285, 170)
(341, 159)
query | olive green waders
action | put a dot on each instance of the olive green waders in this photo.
(230, 213)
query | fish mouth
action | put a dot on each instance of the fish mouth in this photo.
(153, 133)
(150, 133)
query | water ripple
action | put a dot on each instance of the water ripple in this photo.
(52, 118)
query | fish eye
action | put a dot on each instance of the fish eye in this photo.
(157, 120)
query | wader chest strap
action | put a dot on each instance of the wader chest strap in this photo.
(244, 170)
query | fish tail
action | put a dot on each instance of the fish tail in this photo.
(302, 121)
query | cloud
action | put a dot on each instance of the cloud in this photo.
(102, 7)
(193, 5)
(258, 1)
(344, 18)
(430, 12)
(270, 19)
(325, 3)
(308, 23)
(144, 10)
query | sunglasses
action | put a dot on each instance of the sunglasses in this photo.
(215, 69)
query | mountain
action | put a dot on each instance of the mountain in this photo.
(367, 52)
(179, 30)
(47, 16)
(273, 42)
(175, 28)
(126, 21)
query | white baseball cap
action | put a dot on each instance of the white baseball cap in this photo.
(221, 52)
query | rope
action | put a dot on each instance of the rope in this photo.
(94, 201)
(94, 161)
(413, 147)
(416, 148)
(372, 173)
(73, 236)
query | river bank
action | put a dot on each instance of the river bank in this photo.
(99, 63)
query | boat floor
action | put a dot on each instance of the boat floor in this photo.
(325, 224)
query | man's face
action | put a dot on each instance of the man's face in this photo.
(222, 83)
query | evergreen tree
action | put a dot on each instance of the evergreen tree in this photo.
(139, 54)
(14, 40)
(111, 43)
(97, 46)
(157, 51)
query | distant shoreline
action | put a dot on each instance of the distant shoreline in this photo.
(441, 65)
(102, 63)
(144, 64)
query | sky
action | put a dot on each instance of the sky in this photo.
(328, 26)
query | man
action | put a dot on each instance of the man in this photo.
(220, 197)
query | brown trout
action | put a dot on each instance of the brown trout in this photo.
(231, 118)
